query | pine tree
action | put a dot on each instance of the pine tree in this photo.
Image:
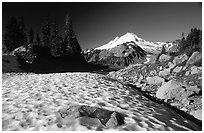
(69, 33)
(31, 35)
(56, 40)
(70, 41)
(22, 28)
(38, 39)
(191, 43)
(46, 33)
(15, 34)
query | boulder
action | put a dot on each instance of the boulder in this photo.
(89, 116)
(169, 90)
(177, 69)
(195, 57)
(196, 70)
(193, 88)
(175, 90)
(156, 80)
(112, 122)
(18, 50)
(197, 114)
(164, 58)
(68, 112)
(106, 117)
(153, 72)
(187, 73)
(171, 65)
(180, 59)
(90, 122)
(85, 110)
(164, 73)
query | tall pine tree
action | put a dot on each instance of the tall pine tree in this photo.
(46, 33)
(70, 41)
(15, 35)
(22, 28)
(69, 33)
(38, 41)
(56, 41)
(31, 35)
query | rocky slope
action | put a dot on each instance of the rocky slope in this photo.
(176, 80)
(119, 56)
(148, 46)
(127, 49)
(81, 101)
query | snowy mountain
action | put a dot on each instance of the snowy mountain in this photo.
(148, 46)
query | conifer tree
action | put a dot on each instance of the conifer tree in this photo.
(70, 41)
(69, 33)
(38, 39)
(31, 35)
(15, 35)
(46, 33)
(56, 40)
(22, 28)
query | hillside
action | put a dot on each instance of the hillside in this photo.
(177, 80)
(127, 49)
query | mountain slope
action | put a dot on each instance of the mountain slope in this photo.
(148, 46)
(117, 56)
(127, 49)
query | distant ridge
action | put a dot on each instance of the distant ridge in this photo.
(148, 46)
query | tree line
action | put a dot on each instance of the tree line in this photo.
(51, 50)
(58, 45)
(191, 43)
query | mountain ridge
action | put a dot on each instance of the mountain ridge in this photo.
(148, 46)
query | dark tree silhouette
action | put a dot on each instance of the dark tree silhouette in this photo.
(15, 35)
(38, 41)
(192, 43)
(56, 41)
(31, 35)
(70, 40)
(69, 34)
(46, 33)
(22, 28)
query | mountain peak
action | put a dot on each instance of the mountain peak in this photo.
(128, 37)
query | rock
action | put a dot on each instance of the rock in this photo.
(153, 72)
(160, 68)
(88, 116)
(102, 114)
(197, 114)
(164, 73)
(177, 69)
(176, 91)
(70, 112)
(184, 109)
(195, 57)
(90, 122)
(85, 110)
(187, 73)
(184, 68)
(164, 58)
(180, 59)
(156, 80)
(195, 70)
(171, 65)
(18, 50)
(169, 90)
(112, 122)
(193, 88)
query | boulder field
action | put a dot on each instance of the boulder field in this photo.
(176, 80)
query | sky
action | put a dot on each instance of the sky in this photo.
(96, 24)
